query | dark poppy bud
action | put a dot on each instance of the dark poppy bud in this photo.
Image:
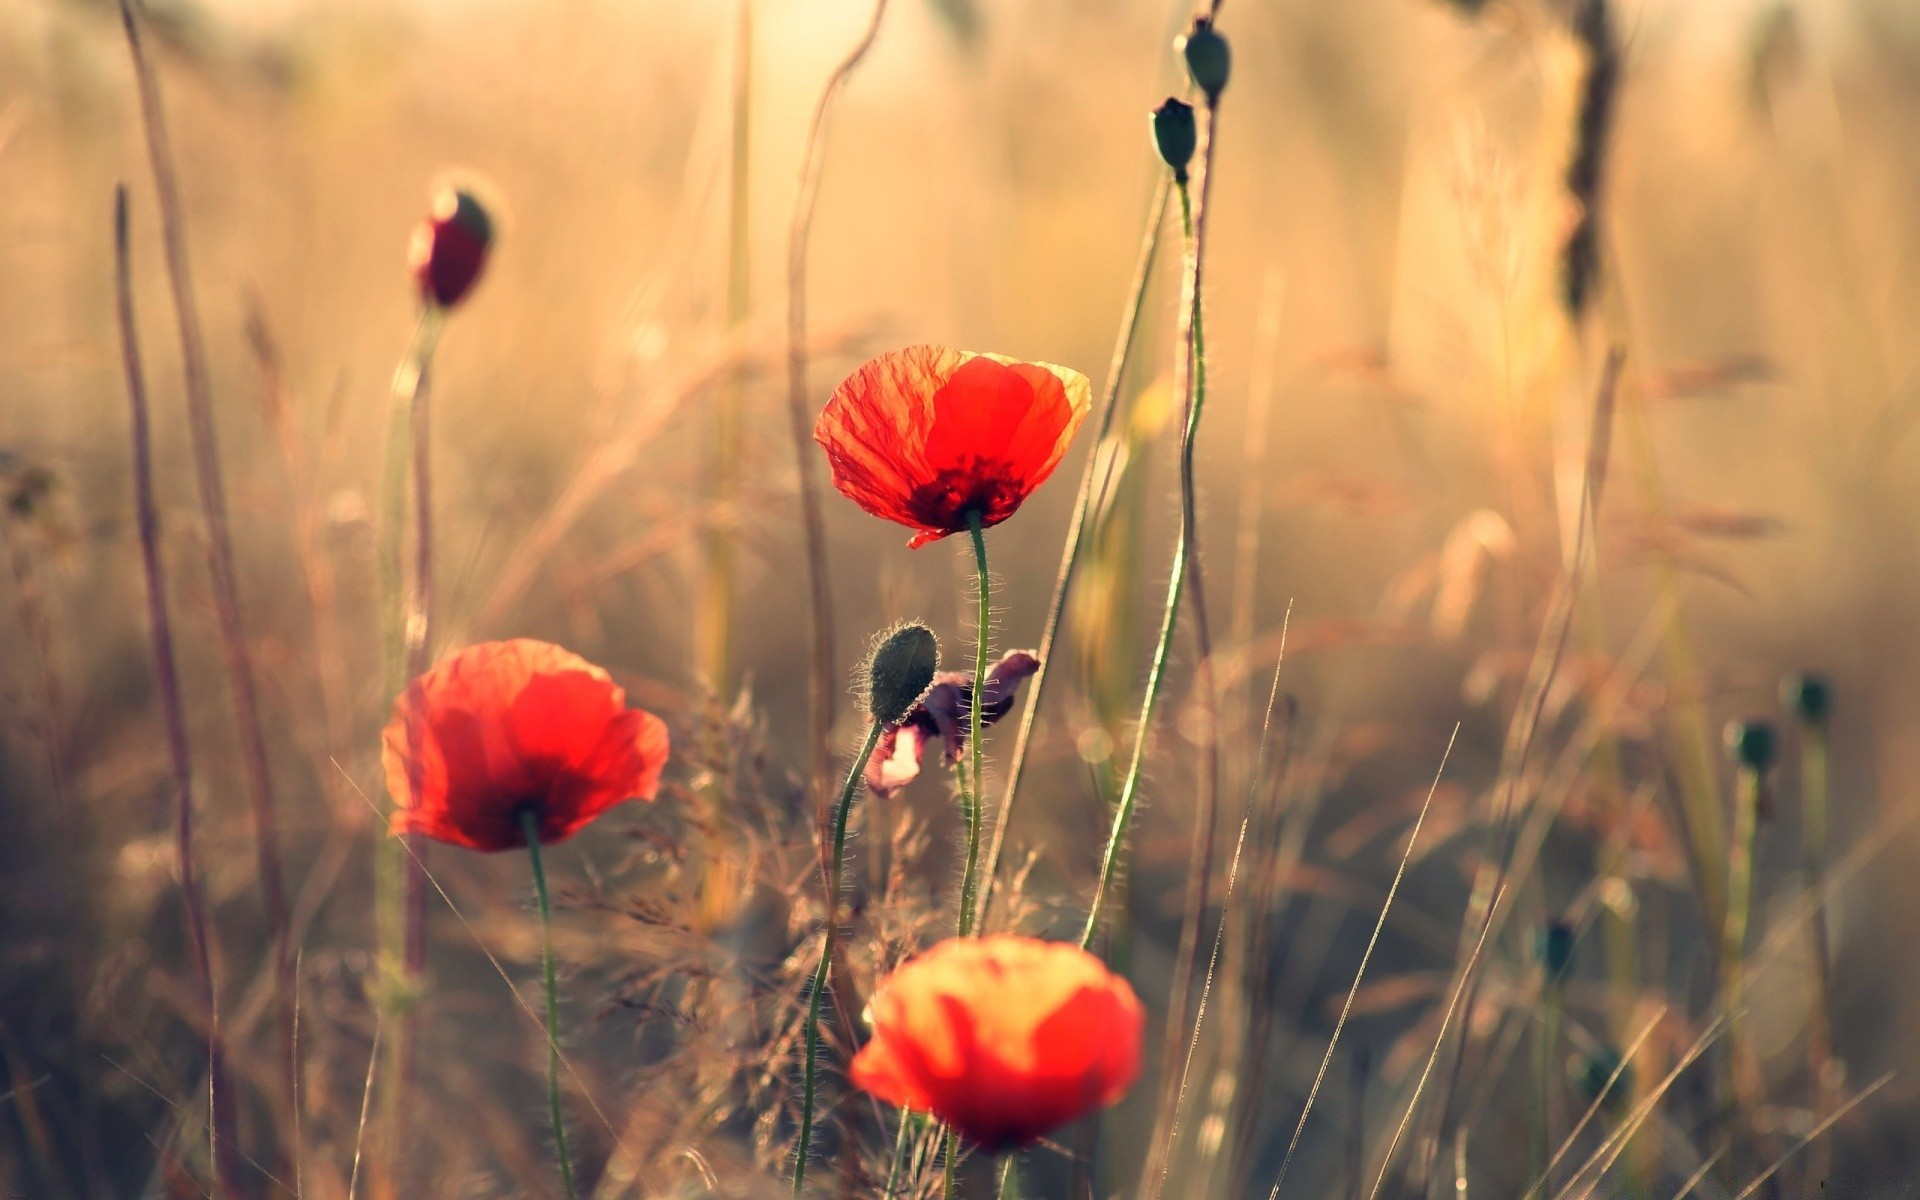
(1175, 135)
(900, 672)
(1209, 60)
(1592, 1071)
(450, 247)
(1556, 948)
(1810, 697)
(1752, 744)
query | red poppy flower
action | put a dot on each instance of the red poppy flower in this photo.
(926, 435)
(450, 248)
(504, 728)
(1005, 1038)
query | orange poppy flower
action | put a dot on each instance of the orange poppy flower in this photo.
(926, 435)
(1004, 1038)
(503, 728)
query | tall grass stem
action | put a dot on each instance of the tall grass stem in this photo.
(213, 501)
(172, 703)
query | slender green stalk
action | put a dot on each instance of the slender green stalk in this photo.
(1156, 675)
(531, 823)
(974, 786)
(400, 879)
(899, 1153)
(1077, 527)
(811, 1077)
(1733, 945)
(1813, 807)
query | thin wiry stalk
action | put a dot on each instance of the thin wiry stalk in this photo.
(1366, 956)
(1813, 808)
(974, 787)
(820, 672)
(1426, 1072)
(1206, 702)
(167, 678)
(530, 822)
(366, 1102)
(1733, 949)
(1163, 1146)
(1176, 584)
(213, 501)
(1077, 526)
(831, 936)
(1811, 1134)
(1528, 714)
(400, 884)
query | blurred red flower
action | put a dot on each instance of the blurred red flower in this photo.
(1004, 1038)
(450, 247)
(926, 435)
(503, 728)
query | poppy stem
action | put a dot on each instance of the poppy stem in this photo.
(973, 787)
(531, 824)
(400, 880)
(1077, 527)
(1169, 618)
(951, 1156)
(810, 1073)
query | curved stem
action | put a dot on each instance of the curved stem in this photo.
(1156, 675)
(1077, 526)
(531, 823)
(811, 1072)
(813, 527)
(974, 786)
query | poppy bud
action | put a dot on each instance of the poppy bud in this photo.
(1591, 1072)
(900, 672)
(1556, 948)
(1752, 744)
(1175, 135)
(450, 247)
(1809, 696)
(1209, 60)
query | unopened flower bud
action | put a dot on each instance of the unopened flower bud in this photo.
(1175, 135)
(450, 247)
(1810, 697)
(1752, 744)
(1556, 948)
(900, 672)
(1209, 60)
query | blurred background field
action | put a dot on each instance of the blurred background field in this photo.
(1393, 454)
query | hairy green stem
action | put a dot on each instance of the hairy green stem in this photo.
(974, 787)
(810, 1076)
(1077, 527)
(1156, 675)
(531, 824)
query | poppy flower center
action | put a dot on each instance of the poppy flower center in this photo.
(944, 501)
